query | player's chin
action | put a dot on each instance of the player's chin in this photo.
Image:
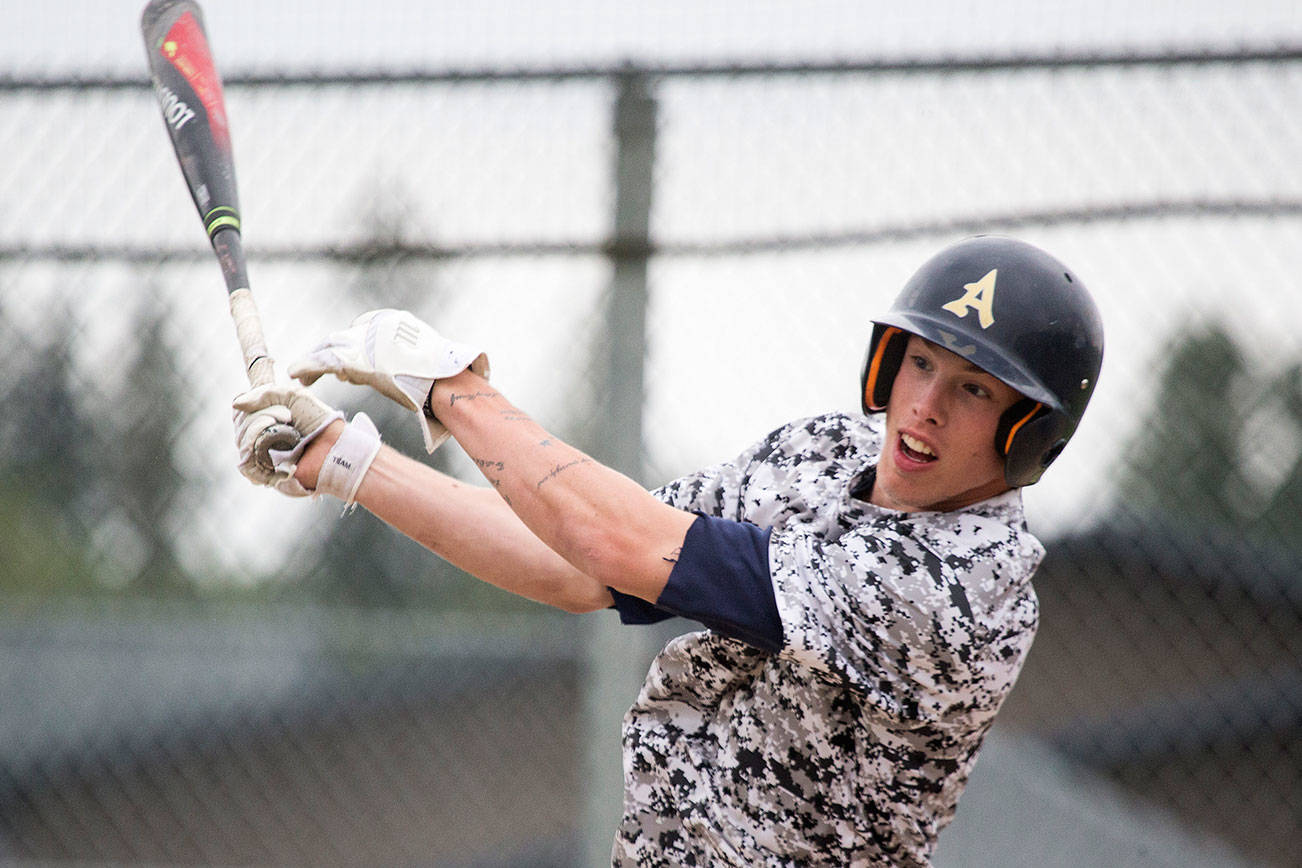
(901, 492)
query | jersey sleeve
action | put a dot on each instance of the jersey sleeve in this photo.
(715, 491)
(718, 490)
(721, 580)
(923, 636)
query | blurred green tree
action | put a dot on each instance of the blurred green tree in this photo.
(45, 446)
(140, 488)
(1272, 443)
(1182, 460)
(1222, 448)
(83, 512)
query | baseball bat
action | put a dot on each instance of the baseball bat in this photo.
(189, 91)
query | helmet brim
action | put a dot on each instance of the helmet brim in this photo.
(973, 347)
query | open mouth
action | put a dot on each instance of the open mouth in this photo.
(915, 449)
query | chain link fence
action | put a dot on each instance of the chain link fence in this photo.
(200, 672)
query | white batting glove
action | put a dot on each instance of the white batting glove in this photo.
(396, 354)
(257, 410)
(349, 459)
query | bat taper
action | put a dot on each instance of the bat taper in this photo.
(189, 91)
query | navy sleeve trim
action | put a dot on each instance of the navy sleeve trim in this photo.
(722, 580)
(635, 610)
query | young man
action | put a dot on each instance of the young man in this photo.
(864, 581)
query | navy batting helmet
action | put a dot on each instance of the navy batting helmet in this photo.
(1015, 312)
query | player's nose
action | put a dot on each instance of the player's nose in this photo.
(929, 403)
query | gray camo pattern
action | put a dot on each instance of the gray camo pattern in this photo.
(903, 634)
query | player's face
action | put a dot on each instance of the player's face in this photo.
(939, 452)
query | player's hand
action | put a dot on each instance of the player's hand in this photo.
(257, 410)
(396, 354)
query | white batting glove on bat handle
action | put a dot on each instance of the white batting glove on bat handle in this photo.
(266, 407)
(396, 354)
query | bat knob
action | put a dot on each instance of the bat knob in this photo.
(282, 438)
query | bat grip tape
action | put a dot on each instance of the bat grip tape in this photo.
(248, 329)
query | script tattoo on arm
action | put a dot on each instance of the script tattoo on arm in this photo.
(510, 413)
(486, 465)
(561, 468)
(492, 471)
(471, 396)
(673, 556)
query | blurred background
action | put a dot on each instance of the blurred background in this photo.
(669, 225)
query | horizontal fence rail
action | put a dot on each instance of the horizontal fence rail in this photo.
(213, 675)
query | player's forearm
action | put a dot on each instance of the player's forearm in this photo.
(468, 526)
(471, 528)
(602, 522)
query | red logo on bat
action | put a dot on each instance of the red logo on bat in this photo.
(187, 49)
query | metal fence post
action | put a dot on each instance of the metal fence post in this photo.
(618, 656)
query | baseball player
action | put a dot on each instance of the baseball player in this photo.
(863, 580)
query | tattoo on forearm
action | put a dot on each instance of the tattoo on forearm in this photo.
(509, 413)
(471, 396)
(487, 465)
(673, 556)
(561, 468)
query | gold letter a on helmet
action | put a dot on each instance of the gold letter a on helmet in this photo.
(979, 295)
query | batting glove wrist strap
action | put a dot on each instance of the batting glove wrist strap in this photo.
(349, 459)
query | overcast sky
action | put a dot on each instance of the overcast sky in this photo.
(79, 36)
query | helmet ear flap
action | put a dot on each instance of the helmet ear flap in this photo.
(1013, 420)
(1020, 436)
(885, 354)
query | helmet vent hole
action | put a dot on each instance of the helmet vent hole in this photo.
(1068, 276)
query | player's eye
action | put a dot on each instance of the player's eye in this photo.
(978, 390)
(922, 363)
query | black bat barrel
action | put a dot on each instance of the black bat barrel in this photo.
(189, 92)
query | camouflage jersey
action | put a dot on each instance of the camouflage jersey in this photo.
(901, 635)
